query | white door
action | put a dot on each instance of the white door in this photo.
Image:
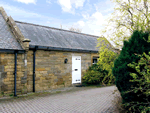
(76, 69)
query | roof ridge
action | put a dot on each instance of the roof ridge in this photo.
(56, 28)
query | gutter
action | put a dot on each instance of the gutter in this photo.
(34, 56)
(11, 51)
(32, 47)
(15, 74)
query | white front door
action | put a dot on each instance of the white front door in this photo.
(76, 69)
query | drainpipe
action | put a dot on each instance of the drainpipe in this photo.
(34, 52)
(15, 74)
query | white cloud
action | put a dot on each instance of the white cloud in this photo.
(66, 6)
(97, 16)
(48, 1)
(90, 24)
(70, 5)
(85, 16)
(81, 23)
(28, 16)
(78, 3)
(104, 7)
(96, 21)
(26, 1)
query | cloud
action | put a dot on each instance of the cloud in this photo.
(66, 6)
(90, 24)
(26, 1)
(20, 14)
(48, 1)
(70, 5)
(104, 7)
(94, 21)
(81, 23)
(85, 16)
(78, 3)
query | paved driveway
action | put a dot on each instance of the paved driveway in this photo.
(95, 100)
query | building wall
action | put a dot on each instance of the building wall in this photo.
(50, 71)
(7, 64)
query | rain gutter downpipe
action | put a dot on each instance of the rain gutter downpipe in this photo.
(34, 56)
(15, 74)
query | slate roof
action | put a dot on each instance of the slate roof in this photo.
(53, 37)
(7, 39)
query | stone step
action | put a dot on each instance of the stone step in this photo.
(77, 85)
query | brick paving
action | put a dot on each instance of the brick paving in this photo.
(93, 100)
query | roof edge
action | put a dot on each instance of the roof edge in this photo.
(18, 34)
(24, 43)
(31, 47)
(56, 28)
(4, 14)
(11, 51)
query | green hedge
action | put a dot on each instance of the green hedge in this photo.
(137, 44)
(94, 75)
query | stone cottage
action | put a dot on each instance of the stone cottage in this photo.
(36, 58)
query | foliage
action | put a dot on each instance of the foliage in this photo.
(140, 76)
(128, 15)
(75, 29)
(106, 60)
(94, 75)
(123, 70)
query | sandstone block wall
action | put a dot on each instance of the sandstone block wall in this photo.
(7, 64)
(50, 71)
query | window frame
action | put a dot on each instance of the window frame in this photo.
(93, 58)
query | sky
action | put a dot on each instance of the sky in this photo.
(87, 15)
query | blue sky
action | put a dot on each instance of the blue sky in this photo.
(88, 15)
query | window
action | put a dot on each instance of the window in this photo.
(95, 60)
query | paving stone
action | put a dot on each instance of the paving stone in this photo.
(94, 100)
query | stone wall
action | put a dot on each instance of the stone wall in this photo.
(50, 71)
(7, 64)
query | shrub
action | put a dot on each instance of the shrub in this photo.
(137, 44)
(107, 57)
(94, 75)
(106, 62)
(141, 76)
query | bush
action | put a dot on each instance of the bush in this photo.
(94, 75)
(141, 76)
(138, 44)
(106, 62)
(107, 56)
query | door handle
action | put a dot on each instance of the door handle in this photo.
(75, 70)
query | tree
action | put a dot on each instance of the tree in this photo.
(141, 76)
(124, 71)
(128, 15)
(107, 55)
(75, 29)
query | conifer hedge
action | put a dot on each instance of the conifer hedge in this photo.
(137, 44)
